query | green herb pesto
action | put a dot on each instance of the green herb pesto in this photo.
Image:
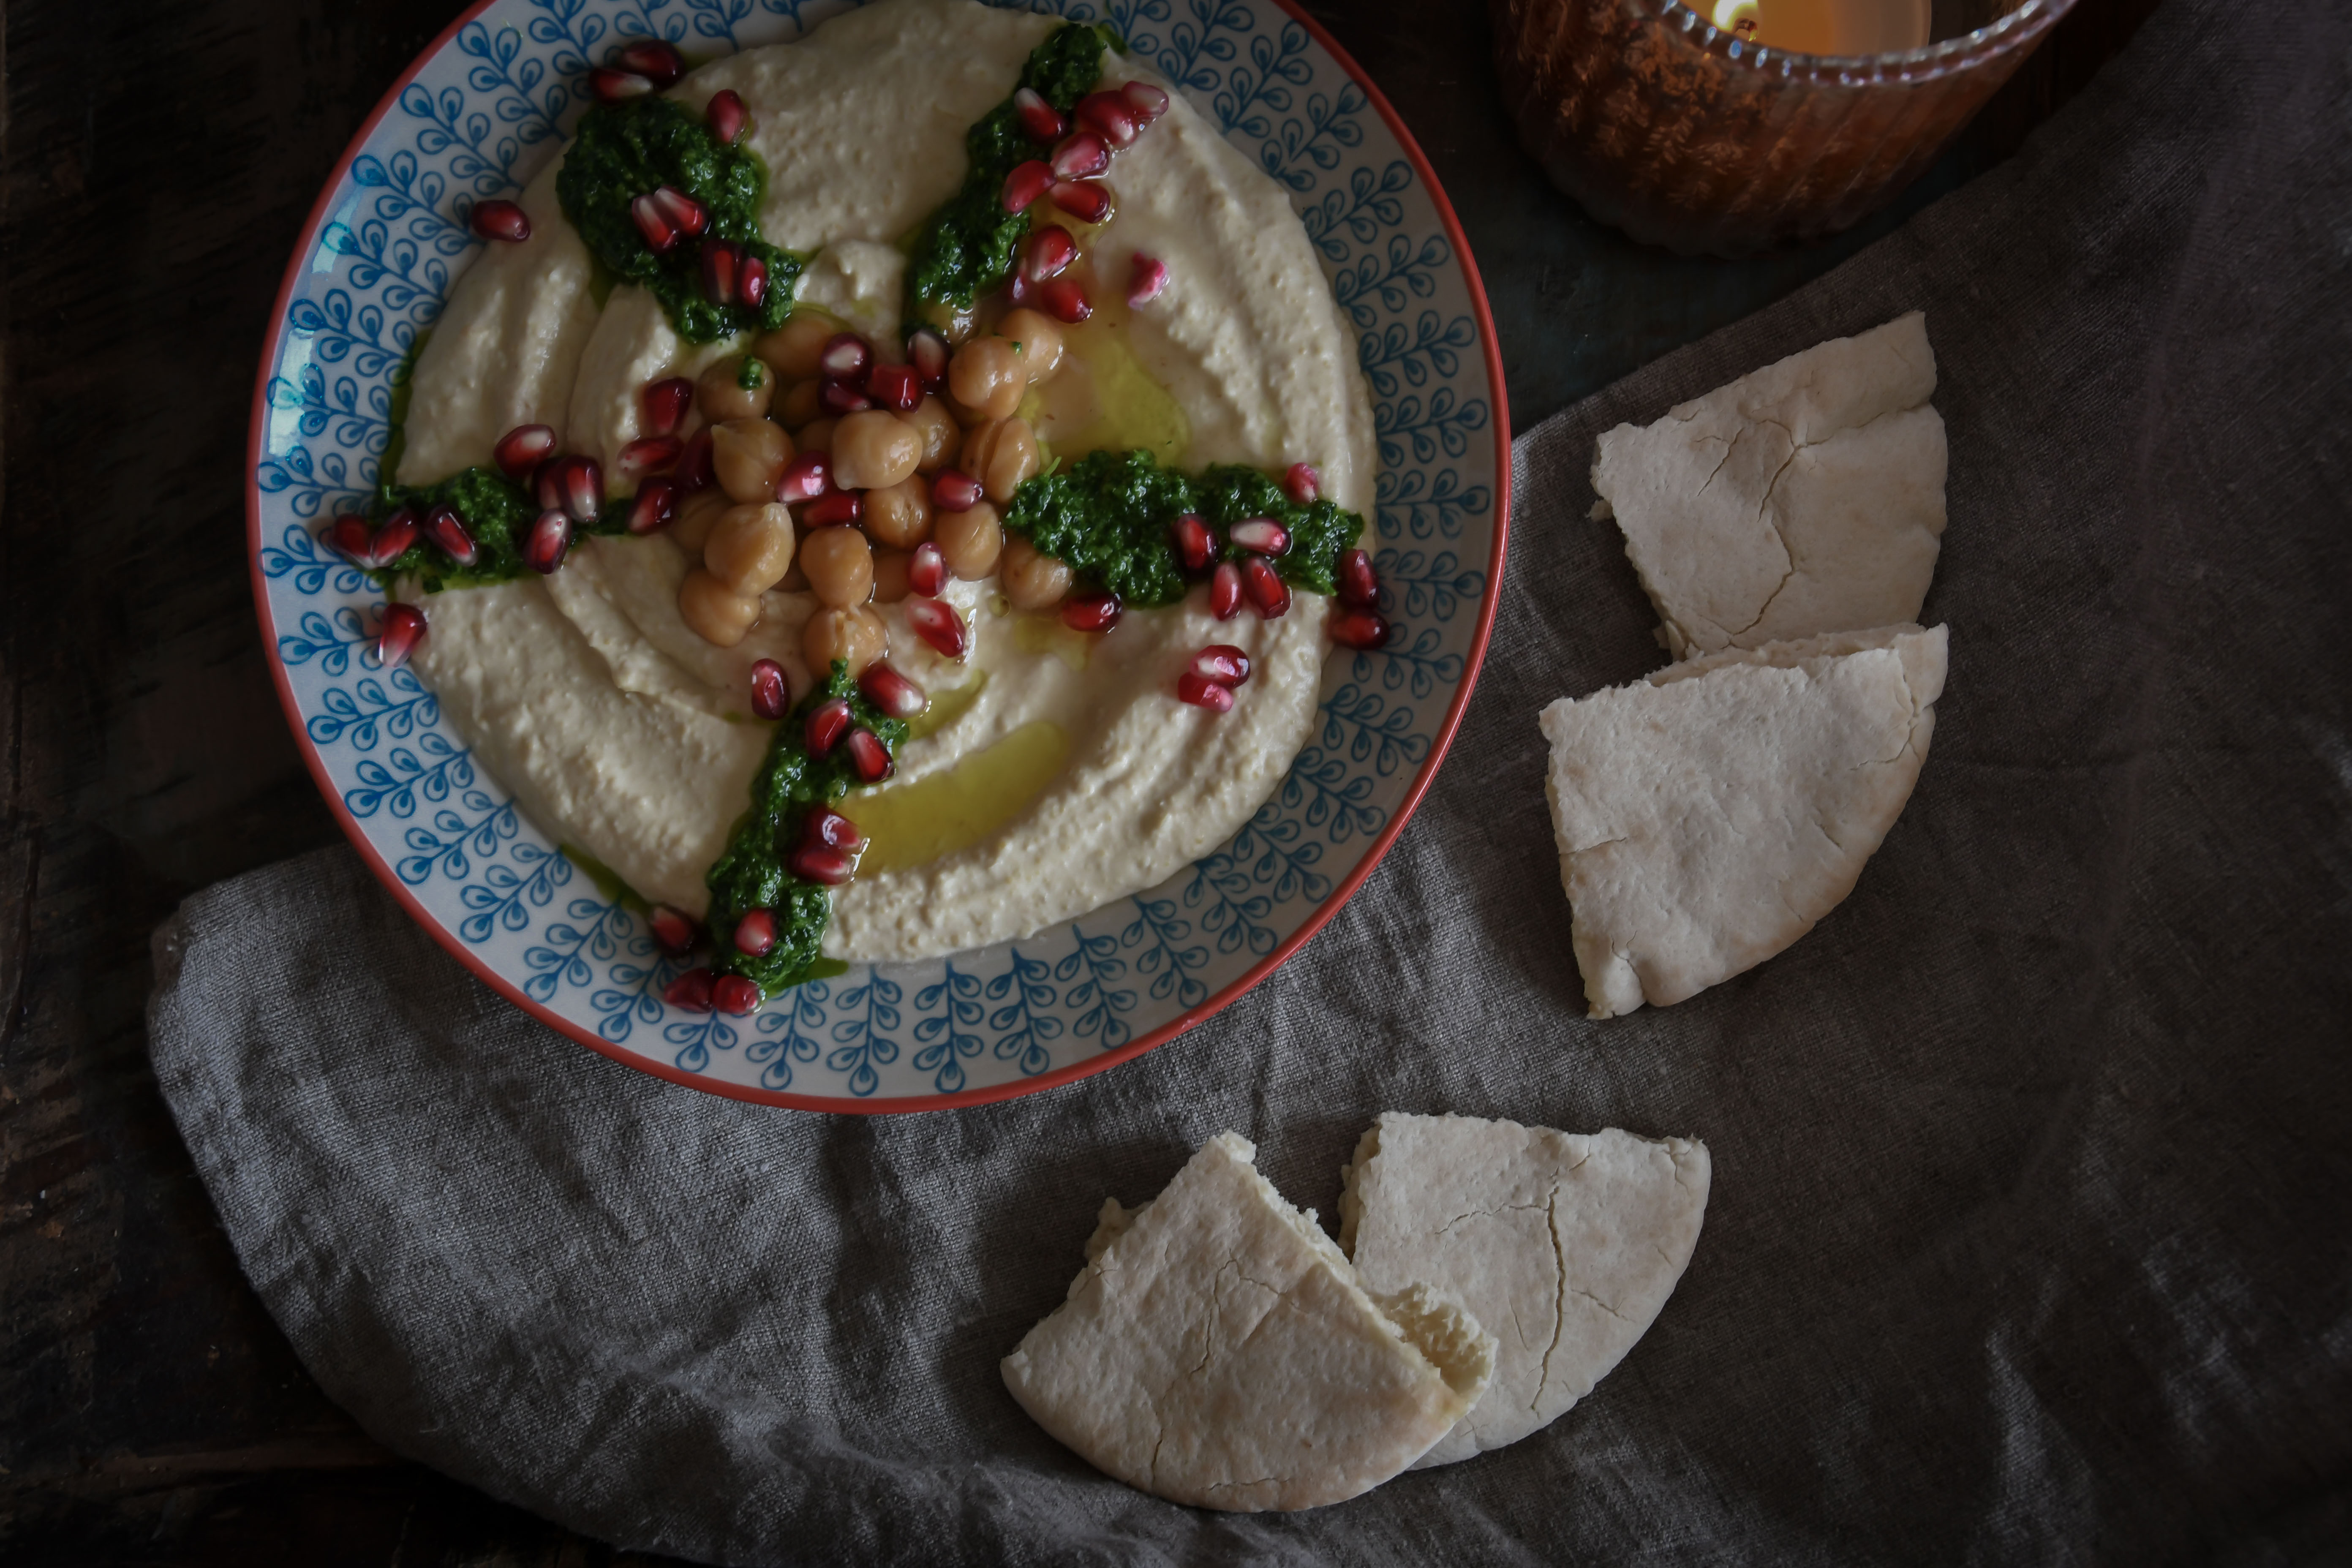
(623, 150)
(752, 873)
(496, 511)
(966, 247)
(1108, 515)
(752, 373)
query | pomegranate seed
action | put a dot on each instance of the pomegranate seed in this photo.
(1195, 546)
(755, 934)
(895, 386)
(734, 994)
(523, 449)
(936, 622)
(928, 352)
(1041, 120)
(1145, 102)
(1080, 156)
(547, 483)
(926, 572)
(817, 863)
(827, 827)
(393, 538)
(656, 504)
(694, 471)
(402, 624)
(649, 455)
(891, 691)
(688, 217)
(1090, 612)
(500, 220)
(1147, 276)
(721, 259)
(1202, 692)
(1109, 116)
(805, 477)
(1026, 182)
(612, 86)
(1088, 201)
(844, 357)
(771, 694)
(867, 755)
(352, 538)
(660, 233)
(582, 480)
(447, 531)
(1223, 663)
(725, 114)
(1262, 534)
(955, 492)
(834, 507)
(665, 404)
(840, 397)
(1265, 588)
(1049, 251)
(1302, 483)
(827, 722)
(653, 59)
(544, 544)
(690, 991)
(1225, 591)
(751, 281)
(1063, 300)
(1358, 584)
(1355, 628)
(672, 930)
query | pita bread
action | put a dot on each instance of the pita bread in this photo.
(1806, 497)
(1217, 1350)
(1567, 1245)
(1708, 815)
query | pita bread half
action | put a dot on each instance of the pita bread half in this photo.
(1217, 1350)
(1805, 497)
(1567, 1245)
(1708, 816)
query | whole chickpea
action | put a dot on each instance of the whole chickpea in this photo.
(799, 404)
(890, 574)
(697, 516)
(736, 387)
(900, 515)
(1039, 338)
(857, 636)
(1000, 454)
(939, 431)
(747, 455)
(1032, 581)
(988, 377)
(715, 612)
(791, 348)
(752, 547)
(972, 540)
(838, 565)
(874, 450)
(816, 436)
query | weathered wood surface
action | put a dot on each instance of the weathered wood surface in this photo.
(159, 161)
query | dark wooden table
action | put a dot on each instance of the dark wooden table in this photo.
(159, 162)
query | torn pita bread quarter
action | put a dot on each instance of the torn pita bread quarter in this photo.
(1806, 497)
(1217, 1350)
(1567, 1245)
(1708, 816)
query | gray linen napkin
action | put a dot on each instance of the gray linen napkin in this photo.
(2029, 1231)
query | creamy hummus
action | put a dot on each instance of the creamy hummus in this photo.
(1055, 770)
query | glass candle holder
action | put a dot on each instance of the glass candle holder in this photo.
(1697, 138)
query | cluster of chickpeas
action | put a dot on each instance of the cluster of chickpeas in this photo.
(936, 473)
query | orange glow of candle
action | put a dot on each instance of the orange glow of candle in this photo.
(1826, 26)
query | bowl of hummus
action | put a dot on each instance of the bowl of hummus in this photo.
(883, 557)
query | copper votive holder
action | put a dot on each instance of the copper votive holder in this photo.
(1690, 137)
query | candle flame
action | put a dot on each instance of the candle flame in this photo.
(1737, 16)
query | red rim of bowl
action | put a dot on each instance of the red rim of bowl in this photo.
(307, 244)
